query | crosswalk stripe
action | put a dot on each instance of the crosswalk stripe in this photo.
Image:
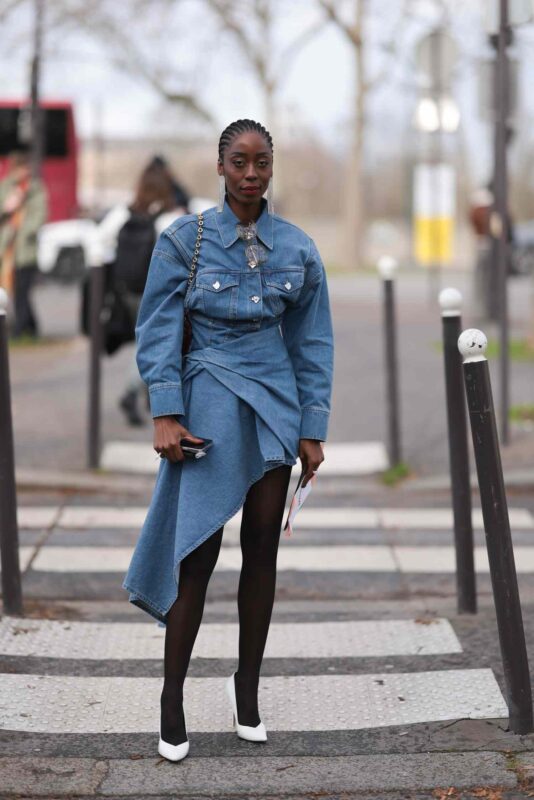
(37, 516)
(323, 558)
(83, 517)
(355, 639)
(341, 458)
(65, 704)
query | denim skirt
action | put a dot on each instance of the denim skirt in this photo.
(243, 395)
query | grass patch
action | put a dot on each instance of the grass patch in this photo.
(395, 474)
(522, 413)
(28, 342)
(519, 349)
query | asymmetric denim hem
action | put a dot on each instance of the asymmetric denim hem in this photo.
(256, 379)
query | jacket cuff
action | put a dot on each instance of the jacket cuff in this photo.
(166, 399)
(314, 424)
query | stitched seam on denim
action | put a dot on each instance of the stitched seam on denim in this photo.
(161, 386)
(166, 256)
(314, 409)
(142, 597)
(172, 236)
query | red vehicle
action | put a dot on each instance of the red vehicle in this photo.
(60, 157)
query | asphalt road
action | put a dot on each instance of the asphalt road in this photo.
(49, 382)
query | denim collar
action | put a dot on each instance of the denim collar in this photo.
(227, 221)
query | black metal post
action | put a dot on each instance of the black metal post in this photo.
(96, 295)
(37, 113)
(472, 344)
(387, 267)
(9, 544)
(500, 216)
(450, 301)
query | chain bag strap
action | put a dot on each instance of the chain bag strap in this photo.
(188, 331)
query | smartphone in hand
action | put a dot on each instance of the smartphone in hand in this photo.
(192, 449)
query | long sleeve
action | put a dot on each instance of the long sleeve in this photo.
(307, 331)
(159, 329)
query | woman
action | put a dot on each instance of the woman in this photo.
(257, 381)
(124, 239)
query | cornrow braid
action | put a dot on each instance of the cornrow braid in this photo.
(242, 126)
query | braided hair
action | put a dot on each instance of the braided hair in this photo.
(242, 126)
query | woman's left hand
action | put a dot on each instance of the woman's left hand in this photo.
(311, 455)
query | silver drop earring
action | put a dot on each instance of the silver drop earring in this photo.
(270, 200)
(222, 192)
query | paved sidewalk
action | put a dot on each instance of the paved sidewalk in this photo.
(372, 686)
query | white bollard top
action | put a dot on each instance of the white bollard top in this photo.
(472, 345)
(450, 301)
(4, 301)
(387, 267)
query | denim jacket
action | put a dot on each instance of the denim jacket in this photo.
(229, 298)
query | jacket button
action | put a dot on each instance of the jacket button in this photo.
(216, 285)
(255, 298)
(287, 285)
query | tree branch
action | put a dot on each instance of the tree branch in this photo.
(351, 32)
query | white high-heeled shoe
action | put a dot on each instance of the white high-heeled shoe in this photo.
(174, 752)
(249, 732)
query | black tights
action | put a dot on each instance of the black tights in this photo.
(259, 537)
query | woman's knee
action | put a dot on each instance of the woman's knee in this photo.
(201, 561)
(260, 544)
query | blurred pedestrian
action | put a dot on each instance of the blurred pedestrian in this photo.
(181, 195)
(255, 379)
(124, 240)
(483, 281)
(23, 211)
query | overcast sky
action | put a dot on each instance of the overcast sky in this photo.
(317, 91)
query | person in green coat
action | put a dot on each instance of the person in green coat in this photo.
(23, 211)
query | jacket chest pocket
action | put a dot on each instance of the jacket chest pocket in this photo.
(218, 292)
(283, 287)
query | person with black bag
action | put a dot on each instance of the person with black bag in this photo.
(124, 241)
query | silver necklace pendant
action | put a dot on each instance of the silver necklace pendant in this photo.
(246, 232)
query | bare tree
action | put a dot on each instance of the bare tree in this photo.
(119, 29)
(251, 23)
(355, 34)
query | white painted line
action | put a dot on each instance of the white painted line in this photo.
(320, 559)
(442, 518)
(316, 559)
(312, 518)
(65, 704)
(323, 558)
(442, 559)
(101, 517)
(82, 559)
(352, 458)
(37, 516)
(106, 641)
(25, 554)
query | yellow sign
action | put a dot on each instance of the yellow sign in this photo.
(434, 211)
(434, 237)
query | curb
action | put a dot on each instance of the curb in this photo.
(101, 482)
(519, 480)
(98, 482)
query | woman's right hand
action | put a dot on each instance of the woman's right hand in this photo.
(167, 436)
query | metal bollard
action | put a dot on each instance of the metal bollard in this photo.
(96, 296)
(387, 267)
(9, 536)
(450, 301)
(472, 345)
